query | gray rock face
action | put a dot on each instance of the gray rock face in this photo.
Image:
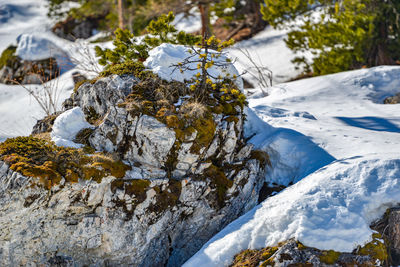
(98, 224)
(143, 140)
(290, 254)
(72, 29)
(158, 214)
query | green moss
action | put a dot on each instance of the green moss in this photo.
(137, 188)
(82, 137)
(376, 248)
(8, 56)
(172, 159)
(128, 67)
(91, 115)
(205, 128)
(78, 84)
(172, 121)
(253, 258)
(232, 119)
(41, 159)
(220, 182)
(167, 198)
(329, 257)
(261, 156)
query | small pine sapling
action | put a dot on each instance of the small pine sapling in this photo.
(129, 53)
(203, 57)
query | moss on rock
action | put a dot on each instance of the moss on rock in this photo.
(220, 183)
(8, 56)
(42, 159)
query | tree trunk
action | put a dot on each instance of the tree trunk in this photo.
(121, 19)
(204, 8)
(380, 53)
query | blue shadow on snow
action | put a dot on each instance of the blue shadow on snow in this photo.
(371, 123)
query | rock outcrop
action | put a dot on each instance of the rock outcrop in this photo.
(35, 60)
(28, 71)
(72, 29)
(181, 190)
(392, 99)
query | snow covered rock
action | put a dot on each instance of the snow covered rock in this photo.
(179, 192)
(162, 59)
(36, 59)
(142, 139)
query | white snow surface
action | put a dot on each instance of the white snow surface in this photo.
(67, 125)
(39, 46)
(34, 46)
(340, 146)
(162, 59)
(330, 209)
(188, 22)
(267, 49)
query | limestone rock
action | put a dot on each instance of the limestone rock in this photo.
(177, 195)
(105, 224)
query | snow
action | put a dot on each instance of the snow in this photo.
(162, 59)
(350, 117)
(33, 46)
(330, 209)
(67, 125)
(188, 22)
(267, 49)
(340, 146)
(21, 16)
(19, 111)
(292, 154)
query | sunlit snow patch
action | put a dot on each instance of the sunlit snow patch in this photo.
(67, 125)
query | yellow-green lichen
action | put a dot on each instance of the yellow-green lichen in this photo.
(262, 157)
(329, 257)
(166, 198)
(253, 258)
(376, 248)
(79, 84)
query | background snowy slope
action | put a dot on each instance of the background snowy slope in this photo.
(21, 16)
(332, 207)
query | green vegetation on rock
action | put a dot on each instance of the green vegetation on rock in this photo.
(42, 159)
(7, 56)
